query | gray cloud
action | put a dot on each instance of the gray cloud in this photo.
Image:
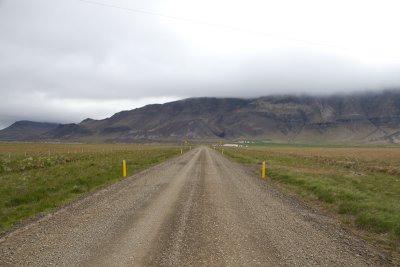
(63, 61)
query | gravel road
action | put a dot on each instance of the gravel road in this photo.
(199, 209)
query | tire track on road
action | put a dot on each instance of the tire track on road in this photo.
(199, 209)
(131, 246)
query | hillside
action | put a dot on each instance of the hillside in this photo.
(25, 130)
(363, 118)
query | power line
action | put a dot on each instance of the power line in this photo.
(200, 22)
(228, 27)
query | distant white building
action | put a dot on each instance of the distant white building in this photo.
(231, 145)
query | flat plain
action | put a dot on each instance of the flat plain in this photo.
(37, 177)
(198, 209)
(358, 185)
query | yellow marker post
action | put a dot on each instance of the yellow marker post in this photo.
(222, 151)
(124, 168)
(263, 170)
(181, 151)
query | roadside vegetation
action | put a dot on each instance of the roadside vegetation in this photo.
(38, 177)
(360, 185)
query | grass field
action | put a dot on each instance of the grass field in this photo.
(38, 177)
(360, 185)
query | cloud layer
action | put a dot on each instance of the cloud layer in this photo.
(63, 61)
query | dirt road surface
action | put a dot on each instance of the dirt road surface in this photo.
(199, 209)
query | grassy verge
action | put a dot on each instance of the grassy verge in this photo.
(360, 185)
(41, 179)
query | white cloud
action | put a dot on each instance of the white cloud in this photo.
(67, 60)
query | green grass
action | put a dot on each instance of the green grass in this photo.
(264, 144)
(35, 183)
(363, 190)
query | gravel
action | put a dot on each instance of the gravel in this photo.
(199, 209)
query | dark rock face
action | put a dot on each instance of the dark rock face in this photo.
(65, 131)
(25, 130)
(360, 118)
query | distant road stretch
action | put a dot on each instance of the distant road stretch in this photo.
(198, 209)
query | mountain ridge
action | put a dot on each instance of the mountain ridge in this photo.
(26, 130)
(357, 118)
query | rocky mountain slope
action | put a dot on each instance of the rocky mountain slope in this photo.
(26, 130)
(363, 118)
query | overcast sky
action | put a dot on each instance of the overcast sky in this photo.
(66, 60)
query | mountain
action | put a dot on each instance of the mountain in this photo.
(349, 118)
(26, 130)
